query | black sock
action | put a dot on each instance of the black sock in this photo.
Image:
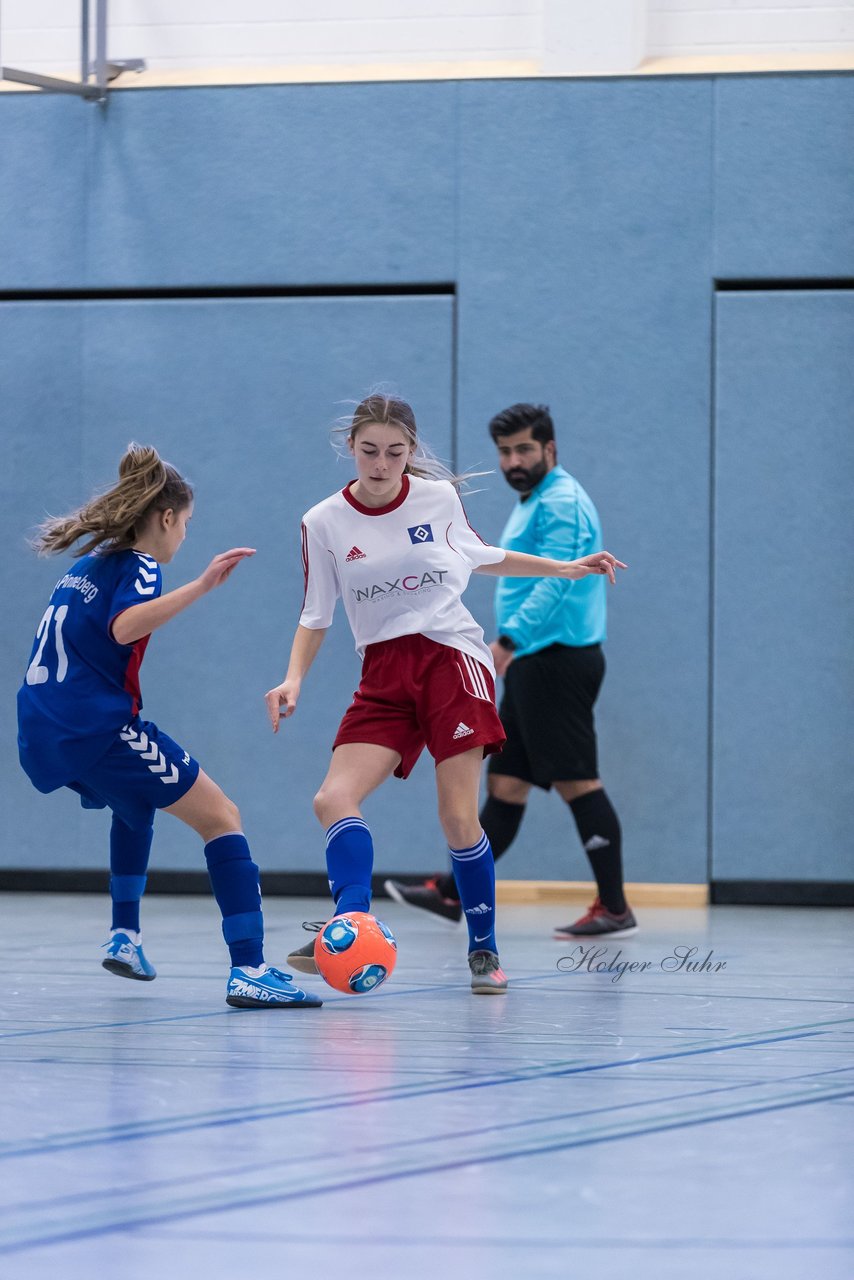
(500, 822)
(599, 828)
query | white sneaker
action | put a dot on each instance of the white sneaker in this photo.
(127, 958)
(266, 988)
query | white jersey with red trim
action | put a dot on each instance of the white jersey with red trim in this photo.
(399, 569)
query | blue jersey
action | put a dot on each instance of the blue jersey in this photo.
(81, 685)
(557, 520)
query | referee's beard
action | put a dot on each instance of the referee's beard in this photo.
(524, 479)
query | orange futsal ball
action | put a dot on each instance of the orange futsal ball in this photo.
(355, 953)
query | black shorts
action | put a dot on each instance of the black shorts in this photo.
(547, 713)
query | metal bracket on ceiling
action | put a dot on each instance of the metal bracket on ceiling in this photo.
(95, 74)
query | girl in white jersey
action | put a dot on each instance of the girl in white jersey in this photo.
(396, 546)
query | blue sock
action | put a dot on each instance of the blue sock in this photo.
(237, 888)
(129, 852)
(474, 872)
(349, 863)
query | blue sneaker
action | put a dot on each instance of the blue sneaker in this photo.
(127, 958)
(271, 989)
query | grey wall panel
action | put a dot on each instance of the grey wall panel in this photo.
(41, 392)
(583, 222)
(784, 602)
(285, 184)
(240, 395)
(784, 176)
(584, 283)
(44, 170)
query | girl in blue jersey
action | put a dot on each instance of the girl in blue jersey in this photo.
(79, 724)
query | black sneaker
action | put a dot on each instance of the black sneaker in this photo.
(426, 896)
(302, 959)
(598, 921)
(487, 976)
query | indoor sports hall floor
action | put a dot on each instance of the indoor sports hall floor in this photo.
(660, 1124)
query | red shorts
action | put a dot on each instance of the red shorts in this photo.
(415, 693)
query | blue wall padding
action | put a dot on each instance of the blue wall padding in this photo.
(583, 223)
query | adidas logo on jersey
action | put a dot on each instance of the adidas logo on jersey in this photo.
(462, 731)
(355, 554)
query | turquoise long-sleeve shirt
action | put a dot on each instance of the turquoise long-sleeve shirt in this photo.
(556, 519)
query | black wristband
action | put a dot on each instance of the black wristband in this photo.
(507, 643)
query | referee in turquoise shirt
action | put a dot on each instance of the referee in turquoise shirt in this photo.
(549, 651)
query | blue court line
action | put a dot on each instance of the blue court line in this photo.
(602, 983)
(831, 1023)
(218, 1062)
(110, 1026)
(348, 1002)
(615, 988)
(409, 1143)
(497, 1242)
(520, 984)
(394, 1094)
(448, 1166)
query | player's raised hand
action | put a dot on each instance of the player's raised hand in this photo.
(282, 702)
(221, 566)
(601, 562)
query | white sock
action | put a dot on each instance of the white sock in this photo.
(253, 972)
(136, 938)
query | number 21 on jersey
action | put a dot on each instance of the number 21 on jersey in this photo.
(36, 673)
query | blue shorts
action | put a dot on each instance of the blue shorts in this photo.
(144, 770)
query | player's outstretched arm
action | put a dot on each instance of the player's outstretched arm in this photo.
(516, 564)
(141, 619)
(282, 701)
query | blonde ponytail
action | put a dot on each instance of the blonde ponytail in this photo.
(113, 520)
